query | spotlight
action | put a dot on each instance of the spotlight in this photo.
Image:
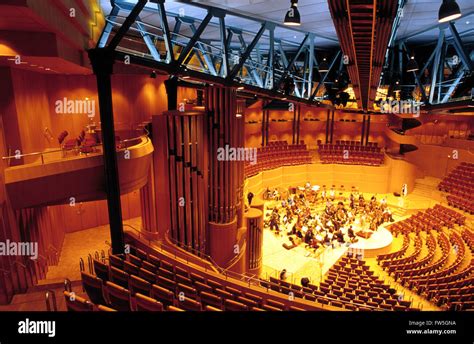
(153, 75)
(412, 66)
(240, 88)
(449, 10)
(323, 66)
(293, 17)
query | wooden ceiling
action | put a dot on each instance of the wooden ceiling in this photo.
(363, 28)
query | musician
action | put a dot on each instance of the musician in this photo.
(352, 200)
(275, 220)
(332, 194)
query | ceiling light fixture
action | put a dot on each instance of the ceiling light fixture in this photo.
(293, 17)
(323, 66)
(449, 10)
(412, 66)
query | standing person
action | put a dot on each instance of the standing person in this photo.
(283, 275)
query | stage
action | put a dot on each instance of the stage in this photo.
(301, 262)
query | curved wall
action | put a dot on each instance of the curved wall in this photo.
(387, 178)
(57, 181)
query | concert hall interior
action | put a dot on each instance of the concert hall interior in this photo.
(237, 155)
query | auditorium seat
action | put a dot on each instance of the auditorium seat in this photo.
(101, 270)
(201, 287)
(189, 304)
(182, 289)
(119, 277)
(103, 308)
(147, 275)
(119, 297)
(77, 304)
(93, 287)
(145, 303)
(248, 302)
(224, 294)
(165, 283)
(212, 309)
(211, 299)
(116, 261)
(175, 309)
(130, 268)
(139, 285)
(231, 305)
(165, 296)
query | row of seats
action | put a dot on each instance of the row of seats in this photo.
(352, 143)
(84, 143)
(432, 219)
(277, 154)
(351, 155)
(350, 284)
(145, 282)
(441, 280)
(351, 281)
(462, 203)
(459, 183)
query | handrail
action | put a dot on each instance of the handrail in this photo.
(81, 264)
(48, 302)
(67, 285)
(90, 263)
(19, 156)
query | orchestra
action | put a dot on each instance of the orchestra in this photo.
(337, 221)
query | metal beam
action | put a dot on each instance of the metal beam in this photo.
(323, 79)
(224, 71)
(148, 41)
(417, 79)
(311, 58)
(453, 86)
(247, 53)
(108, 27)
(293, 60)
(271, 52)
(206, 56)
(127, 24)
(186, 52)
(436, 63)
(177, 27)
(463, 54)
(166, 32)
(252, 69)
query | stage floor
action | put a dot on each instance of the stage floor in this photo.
(300, 262)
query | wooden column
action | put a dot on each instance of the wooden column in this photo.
(226, 236)
(254, 220)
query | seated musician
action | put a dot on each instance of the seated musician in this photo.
(308, 236)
